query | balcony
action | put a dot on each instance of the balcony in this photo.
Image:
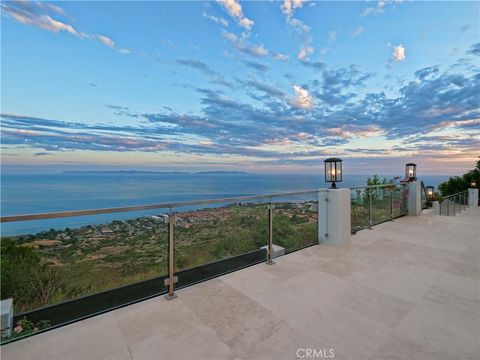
(407, 289)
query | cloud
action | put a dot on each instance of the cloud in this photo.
(195, 64)
(376, 10)
(289, 6)
(36, 14)
(358, 30)
(474, 49)
(234, 9)
(40, 15)
(305, 52)
(105, 40)
(281, 57)
(352, 131)
(398, 53)
(257, 66)
(301, 30)
(465, 28)
(268, 89)
(380, 7)
(336, 84)
(214, 76)
(332, 36)
(317, 65)
(218, 20)
(427, 72)
(302, 100)
(434, 109)
(243, 46)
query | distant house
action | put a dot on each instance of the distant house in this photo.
(63, 236)
(162, 218)
(105, 230)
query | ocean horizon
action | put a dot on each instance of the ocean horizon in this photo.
(30, 194)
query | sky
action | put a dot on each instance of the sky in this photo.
(258, 86)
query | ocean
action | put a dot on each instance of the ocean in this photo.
(30, 194)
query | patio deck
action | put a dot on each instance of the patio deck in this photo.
(407, 289)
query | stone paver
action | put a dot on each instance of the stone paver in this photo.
(407, 289)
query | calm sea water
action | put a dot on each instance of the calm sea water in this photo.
(29, 194)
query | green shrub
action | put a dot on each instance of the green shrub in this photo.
(458, 184)
(24, 277)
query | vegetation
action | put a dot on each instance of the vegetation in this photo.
(381, 201)
(375, 180)
(25, 327)
(458, 184)
(24, 277)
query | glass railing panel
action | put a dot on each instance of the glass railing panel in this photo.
(447, 207)
(424, 199)
(359, 209)
(50, 266)
(295, 221)
(461, 201)
(218, 232)
(400, 200)
(381, 204)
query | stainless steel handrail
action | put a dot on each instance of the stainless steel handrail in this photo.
(73, 213)
(374, 186)
(454, 197)
(458, 193)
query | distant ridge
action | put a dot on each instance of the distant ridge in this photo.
(140, 172)
(220, 172)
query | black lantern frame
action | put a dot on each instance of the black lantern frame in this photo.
(430, 191)
(333, 171)
(411, 172)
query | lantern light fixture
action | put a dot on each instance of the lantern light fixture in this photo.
(411, 172)
(473, 184)
(430, 192)
(333, 171)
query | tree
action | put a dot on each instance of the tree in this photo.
(375, 180)
(458, 184)
(24, 277)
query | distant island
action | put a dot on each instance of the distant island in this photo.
(220, 172)
(140, 172)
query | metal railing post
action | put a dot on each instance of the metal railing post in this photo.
(172, 279)
(454, 204)
(391, 205)
(448, 207)
(270, 234)
(370, 214)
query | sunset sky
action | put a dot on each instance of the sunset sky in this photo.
(254, 86)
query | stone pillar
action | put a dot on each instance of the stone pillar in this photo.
(334, 225)
(436, 207)
(414, 198)
(7, 316)
(472, 197)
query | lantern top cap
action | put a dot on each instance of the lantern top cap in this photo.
(411, 164)
(333, 160)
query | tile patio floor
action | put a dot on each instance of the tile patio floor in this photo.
(407, 289)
